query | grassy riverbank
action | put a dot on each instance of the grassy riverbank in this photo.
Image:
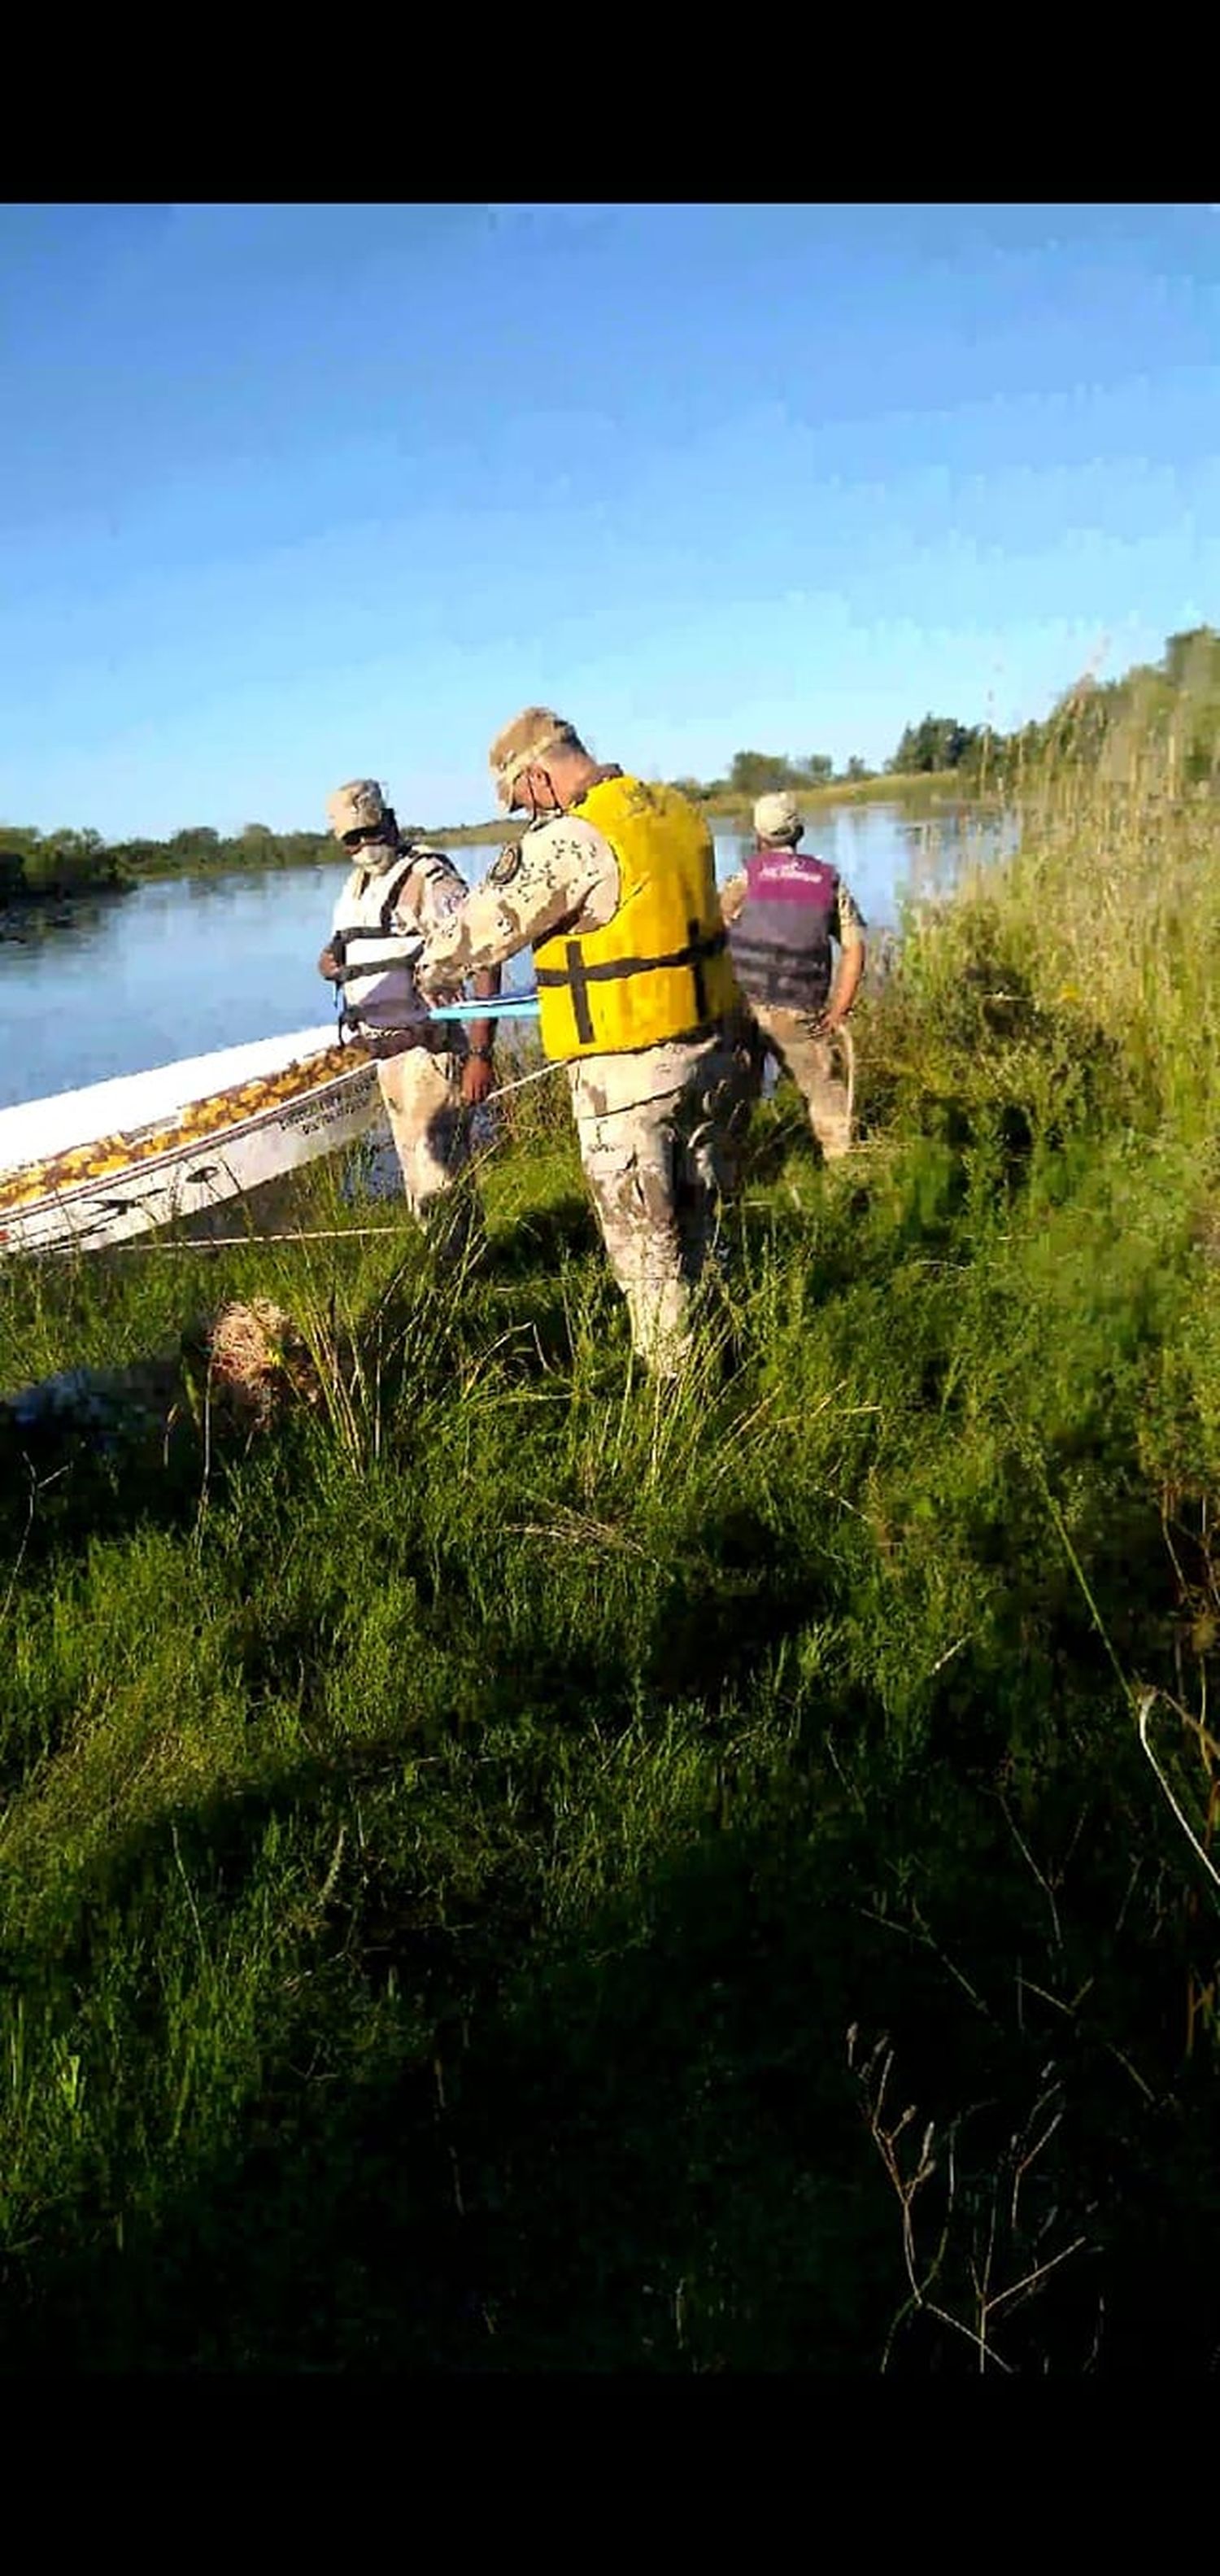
(915, 789)
(487, 1866)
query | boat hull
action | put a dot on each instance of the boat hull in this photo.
(85, 1182)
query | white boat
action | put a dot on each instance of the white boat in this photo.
(93, 1167)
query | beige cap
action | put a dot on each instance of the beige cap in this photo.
(358, 807)
(525, 741)
(778, 818)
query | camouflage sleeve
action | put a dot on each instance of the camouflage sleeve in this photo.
(733, 895)
(847, 922)
(441, 893)
(534, 885)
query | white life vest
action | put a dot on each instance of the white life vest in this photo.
(378, 958)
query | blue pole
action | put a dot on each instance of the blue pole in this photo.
(505, 1006)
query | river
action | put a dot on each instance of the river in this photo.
(114, 984)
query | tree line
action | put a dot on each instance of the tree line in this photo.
(53, 864)
(1172, 704)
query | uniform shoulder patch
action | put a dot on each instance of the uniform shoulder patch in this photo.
(504, 869)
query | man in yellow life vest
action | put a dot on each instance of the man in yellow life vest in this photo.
(614, 887)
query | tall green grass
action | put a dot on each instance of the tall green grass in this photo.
(511, 1869)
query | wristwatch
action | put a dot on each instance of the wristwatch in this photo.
(484, 1053)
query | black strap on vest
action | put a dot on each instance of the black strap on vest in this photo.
(362, 929)
(579, 974)
(774, 952)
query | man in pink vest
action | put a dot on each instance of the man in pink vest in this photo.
(783, 911)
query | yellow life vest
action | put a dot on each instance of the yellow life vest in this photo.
(660, 969)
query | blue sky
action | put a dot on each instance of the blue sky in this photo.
(289, 493)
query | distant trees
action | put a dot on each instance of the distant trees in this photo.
(937, 742)
(761, 773)
(34, 863)
(199, 849)
(1172, 706)
(66, 862)
(1170, 709)
(758, 773)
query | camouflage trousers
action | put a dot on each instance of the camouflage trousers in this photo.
(818, 1067)
(661, 1172)
(430, 1125)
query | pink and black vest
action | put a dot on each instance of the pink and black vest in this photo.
(780, 941)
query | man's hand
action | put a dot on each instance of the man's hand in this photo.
(329, 964)
(847, 985)
(478, 1080)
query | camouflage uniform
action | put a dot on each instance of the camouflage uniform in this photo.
(656, 1126)
(421, 1081)
(816, 1064)
(430, 1125)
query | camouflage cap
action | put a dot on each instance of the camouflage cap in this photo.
(358, 807)
(778, 818)
(525, 741)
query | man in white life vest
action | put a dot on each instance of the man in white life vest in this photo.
(614, 888)
(433, 1074)
(783, 911)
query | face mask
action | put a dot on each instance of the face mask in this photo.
(374, 857)
(541, 799)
